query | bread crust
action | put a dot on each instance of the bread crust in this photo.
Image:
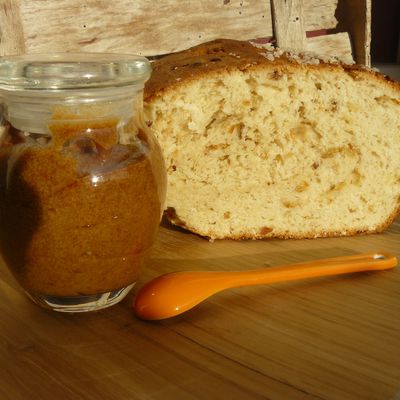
(220, 56)
(174, 219)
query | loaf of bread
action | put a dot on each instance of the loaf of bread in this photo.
(264, 144)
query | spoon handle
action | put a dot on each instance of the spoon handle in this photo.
(311, 269)
(176, 292)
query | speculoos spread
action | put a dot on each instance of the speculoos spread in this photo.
(79, 211)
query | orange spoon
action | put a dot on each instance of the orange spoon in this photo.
(174, 293)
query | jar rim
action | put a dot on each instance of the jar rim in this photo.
(72, 71)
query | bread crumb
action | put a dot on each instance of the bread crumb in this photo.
(291, 145)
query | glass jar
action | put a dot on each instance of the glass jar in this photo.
(82, 179)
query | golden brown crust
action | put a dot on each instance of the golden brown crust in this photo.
(222, 55)
(192, 63)
(174, 219)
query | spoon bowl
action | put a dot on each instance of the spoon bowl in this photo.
(174, 293)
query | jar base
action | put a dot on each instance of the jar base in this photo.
(77, 304)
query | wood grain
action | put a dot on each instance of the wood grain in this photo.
(337, 44)
(12, 40)
(141, 26)
(288, 20)
(327, 338)
(355, 17)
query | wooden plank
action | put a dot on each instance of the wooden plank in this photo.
(337, 45)
(355, 18)
(12, 40)
(288, 21)
(141, 26)
(329, 338)
(319, 14)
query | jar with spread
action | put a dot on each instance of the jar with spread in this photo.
(82, 179)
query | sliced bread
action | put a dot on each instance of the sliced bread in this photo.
(260, 143)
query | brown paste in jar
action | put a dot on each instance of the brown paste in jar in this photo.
(80, 213)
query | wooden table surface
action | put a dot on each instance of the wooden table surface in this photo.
(326, 338)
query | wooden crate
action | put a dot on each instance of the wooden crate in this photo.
(154, 28)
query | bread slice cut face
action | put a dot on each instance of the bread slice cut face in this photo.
(259, 144)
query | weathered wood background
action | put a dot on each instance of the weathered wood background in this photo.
(153, 28)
